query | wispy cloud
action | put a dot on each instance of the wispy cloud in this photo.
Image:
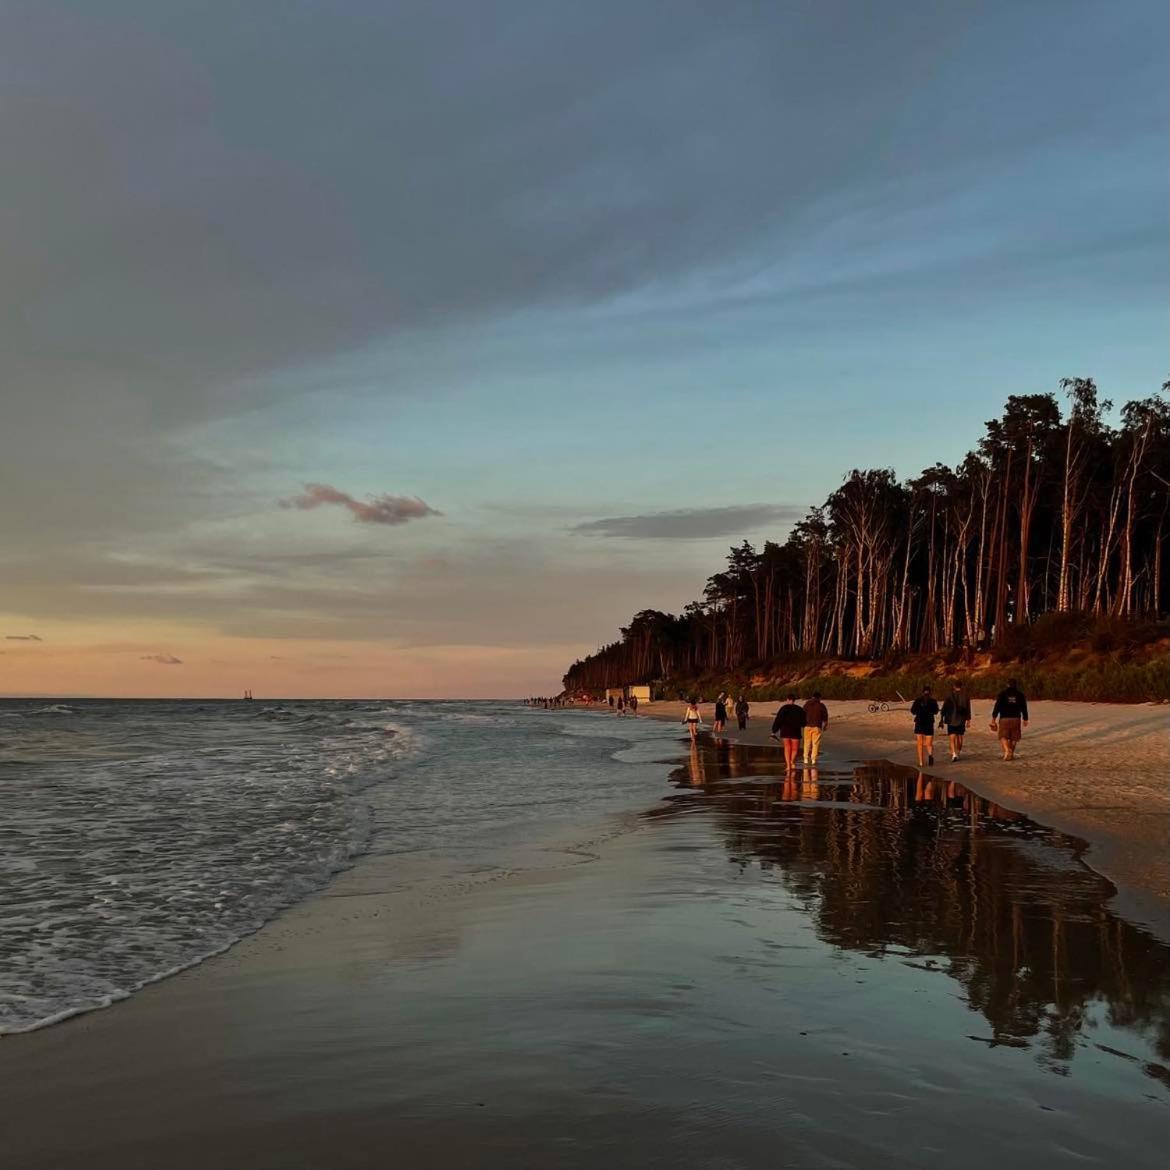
(376, 510)
(693, 523)
(22, 638)
(162, 659)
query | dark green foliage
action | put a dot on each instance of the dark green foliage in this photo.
(1107, 682)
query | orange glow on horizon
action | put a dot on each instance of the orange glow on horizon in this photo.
(170, 662)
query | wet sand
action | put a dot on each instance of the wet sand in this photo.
(859, 968)
(1099, 771)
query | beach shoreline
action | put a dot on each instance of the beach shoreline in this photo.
(524, 1014)
(1096, 771)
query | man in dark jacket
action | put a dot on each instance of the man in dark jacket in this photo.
(956, 714)
(742, 707)
(1008, 718)
(816, 719)
(788, 726)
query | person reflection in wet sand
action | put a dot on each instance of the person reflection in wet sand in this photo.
(1030, 946)
(723, 764)
(923, 789)
(696, 769)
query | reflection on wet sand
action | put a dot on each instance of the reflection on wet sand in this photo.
(890, 862)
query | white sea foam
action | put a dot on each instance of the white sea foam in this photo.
(139, 838)
(166, 836)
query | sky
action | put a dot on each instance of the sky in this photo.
(408, 349)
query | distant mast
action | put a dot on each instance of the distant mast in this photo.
(247, 696)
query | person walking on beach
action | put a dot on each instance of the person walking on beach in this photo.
(788, 726)
(741, 712)
(816, 720)
(621, 705)
(692, 720)
(1008, 718)
(956, 714)
(633, 705)
(720, 720)
(924, 709)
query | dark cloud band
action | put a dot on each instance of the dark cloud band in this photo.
(693, 523)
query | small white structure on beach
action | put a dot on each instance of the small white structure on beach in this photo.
(641, 693)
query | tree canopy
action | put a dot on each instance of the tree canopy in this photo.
(1054, 511)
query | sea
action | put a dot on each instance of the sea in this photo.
(140, 837)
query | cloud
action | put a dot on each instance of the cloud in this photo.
(22, 638)
(162, 659)
(378, 510)
(693, 523)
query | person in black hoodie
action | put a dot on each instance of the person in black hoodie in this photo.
(1009, 717)
(741, 712)
(720, 720)
(788, 727)
(924, 709)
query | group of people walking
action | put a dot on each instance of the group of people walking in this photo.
(799, 728)
(549, 704)
(693, 720)
(796, 727)
(1009, 717)
(741, 709)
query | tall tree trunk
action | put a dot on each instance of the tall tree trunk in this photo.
(1001, 554)
(1067, 519)
(1028, 495)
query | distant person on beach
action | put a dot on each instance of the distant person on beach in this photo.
(633, 706)
(611, 700)
(741, 712)
(816, 720)
(925, 710)
(1009, 717)
(692, 719)
(956, 714)
(720, 720)
(788, 727)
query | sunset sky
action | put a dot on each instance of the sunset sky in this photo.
(408, 348)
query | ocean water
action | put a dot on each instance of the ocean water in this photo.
(140, 837)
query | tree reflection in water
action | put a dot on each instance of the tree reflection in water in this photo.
(888, 861)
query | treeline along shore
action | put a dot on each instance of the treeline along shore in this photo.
(1041, 554)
